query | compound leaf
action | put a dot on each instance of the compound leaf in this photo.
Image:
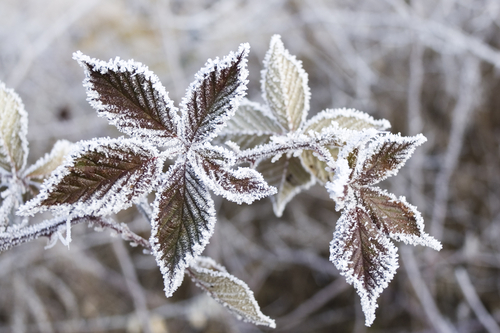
(45, 165)
(289, 176)
(13, 131)
(396, 218)
(131, 97)
(364, 255)
(228, 290)
(102, 176)
(182, 223)
(214, 96)
(284, 86)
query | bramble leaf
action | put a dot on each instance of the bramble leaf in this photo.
(183, 221)
(240, 185)
(284, 86)
(383, 157)
(396, 218)
(214, 96)
(228, 290)
(13, 131)
(364, 255)
(289, 176)
(251, 125)
(103, 176)
(132, 98)
(45, 165)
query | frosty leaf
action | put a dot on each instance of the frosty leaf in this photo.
(214, 96)
(345, 118)
(350, 119)
(183, 221)
(131, 97)
(284, 86)
(45, 165)
(228, 290)
(289, 176)
(396, 218)
(364, 255)
(252, 118)
(251, 125)
(384, 156)
(241, 185)
(13, 131)
(103, 176)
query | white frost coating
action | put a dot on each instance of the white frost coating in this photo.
(13, 129)
(337, 187)
(123, 121)
(374, 146)
(279, 66)
(252, 119)
(228, 290)
(50, 161)
(425, 239)
(219, 174)
(173, 278)
(348, 118)
(342, 253)
(114, 199)
(215, 125)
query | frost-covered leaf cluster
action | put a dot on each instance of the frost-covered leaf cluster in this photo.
(345, 150)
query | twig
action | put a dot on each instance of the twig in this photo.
(463, 108)
(423, 293)
(134, 287)
(475, 303)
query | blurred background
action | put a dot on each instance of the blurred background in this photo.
(429, 67)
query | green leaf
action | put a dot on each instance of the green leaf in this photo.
(182, 223)
(132, 98)
(214, 96)
(284, 86)
(13, 131)
(396, 218)
(45, 165)
(289, 176)
(228, 290)
(102, 177)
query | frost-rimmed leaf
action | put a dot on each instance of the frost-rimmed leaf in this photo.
(384, 156)
(396, 218)
(228, 290)
(214, 96)
(252, 125)
(284, 86)
(349, 119)
(183, 221)
(364, 255)
(240, 185)
(289, 176)
(101, 177)
(45, 165)
(131, 97)
(13, 131)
